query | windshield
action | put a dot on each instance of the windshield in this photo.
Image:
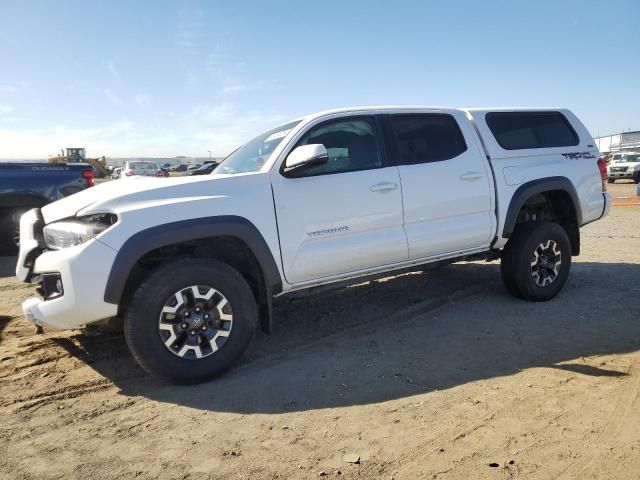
(629, 158)
(253, 155)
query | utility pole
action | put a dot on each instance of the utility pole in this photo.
(209, 154)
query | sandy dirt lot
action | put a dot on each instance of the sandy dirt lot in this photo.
(435, 375)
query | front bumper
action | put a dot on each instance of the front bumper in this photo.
(627, 174)
(83, 271)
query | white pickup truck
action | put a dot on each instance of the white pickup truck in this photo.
(624, 165)
(192, 263)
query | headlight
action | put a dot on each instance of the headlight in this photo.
(69, 233)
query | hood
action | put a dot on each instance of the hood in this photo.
(116, 194)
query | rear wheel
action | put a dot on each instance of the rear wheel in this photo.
(611, 180)
(536, 261)
(190, 320)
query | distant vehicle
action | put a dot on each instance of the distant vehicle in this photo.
(116, 173)
(179, 168)
(166, 165)
(624, 165)
(165, 171)
(195, 166)
(192, 264)
(24, 186)
(79, 155)
(142, 168)
(205, 169)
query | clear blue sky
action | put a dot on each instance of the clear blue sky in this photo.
(181, 78)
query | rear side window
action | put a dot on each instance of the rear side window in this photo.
(424, 138)
(521, 130)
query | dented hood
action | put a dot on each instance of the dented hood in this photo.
(110, 195)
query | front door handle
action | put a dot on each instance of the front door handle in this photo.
(383, 187)
(471, 176)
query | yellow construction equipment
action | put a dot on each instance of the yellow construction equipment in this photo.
(79, 155)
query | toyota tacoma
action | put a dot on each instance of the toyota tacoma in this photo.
(192, 263)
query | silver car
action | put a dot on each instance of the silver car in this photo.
(140, 167)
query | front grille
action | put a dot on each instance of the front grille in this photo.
(619, 169)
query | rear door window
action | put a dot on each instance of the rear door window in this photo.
(524, 130)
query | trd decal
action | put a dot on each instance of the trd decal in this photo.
(574, 155)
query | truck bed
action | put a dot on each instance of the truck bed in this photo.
(27, 185)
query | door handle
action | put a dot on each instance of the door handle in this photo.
(471, 176)
(383, 187)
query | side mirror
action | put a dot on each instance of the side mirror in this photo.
(306, 156)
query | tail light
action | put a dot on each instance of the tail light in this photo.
(128, 173)
(602, 165)
(88, 176)
(159, 173)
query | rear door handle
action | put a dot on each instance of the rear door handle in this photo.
(383, 187)
(471, 176)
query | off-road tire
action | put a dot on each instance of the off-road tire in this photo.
(141, 322)
(636, 177)
(519, 253)
(611, 180)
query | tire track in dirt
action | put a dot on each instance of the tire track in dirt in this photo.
(20, 368)
(398, 318)
(460, 431)
(28, 355)
(622, 423)
(14, 287)
(62, 393)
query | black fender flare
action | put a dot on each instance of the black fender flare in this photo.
(540, 185)
(182, 231)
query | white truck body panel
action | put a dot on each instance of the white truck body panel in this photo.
(449, 205)
(334, 224)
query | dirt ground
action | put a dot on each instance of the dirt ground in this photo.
(426, 375)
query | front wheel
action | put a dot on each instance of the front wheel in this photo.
(190, 320)
(536, 261)
(636, 177)
(611, 180)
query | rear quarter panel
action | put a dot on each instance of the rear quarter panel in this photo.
(514, 168)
